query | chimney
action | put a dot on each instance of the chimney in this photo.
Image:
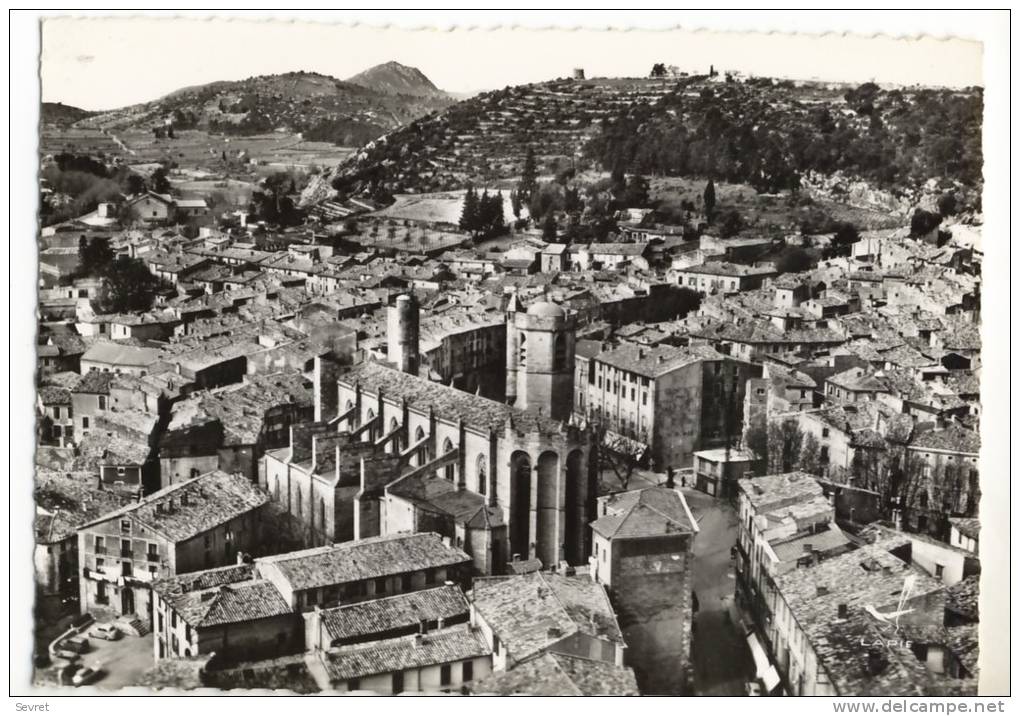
(240, 557)
(821, 590)
(440, 623)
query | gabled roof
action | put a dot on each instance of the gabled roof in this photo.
(365, 559)
(652, 512)
(445, 646)
(555, 674)
(378, 616)
(532, 612)
(187, 509)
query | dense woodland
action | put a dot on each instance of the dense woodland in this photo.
(763, 135)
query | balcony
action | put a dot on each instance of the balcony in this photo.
(152, 556)
(126, 553)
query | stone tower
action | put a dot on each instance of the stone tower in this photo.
(513, 307)
(402, 334)
(578, 73)
(545, 360)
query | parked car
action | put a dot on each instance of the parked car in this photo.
(73, 647)
(110, 632)
(85, 675)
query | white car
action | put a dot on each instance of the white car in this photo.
(105, 631)
(85, 675)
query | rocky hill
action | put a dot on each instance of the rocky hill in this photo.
(395, 78)
(487, 136)
(323, 108)
(766, 133)
(60, 114)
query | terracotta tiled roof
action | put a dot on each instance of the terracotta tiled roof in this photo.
(391, 655)
(365, 559)
(383, 615)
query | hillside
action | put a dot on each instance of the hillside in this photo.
(395, 78)
(485, 137)
(323, 108)
(771, 135)
(60, 114)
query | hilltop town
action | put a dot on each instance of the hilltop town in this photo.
(596, 386)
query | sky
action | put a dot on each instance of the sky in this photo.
(101, 63)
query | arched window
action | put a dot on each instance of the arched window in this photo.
(395, 442)
(322, 515)
(560, 352)
(418, 434)
(450, 470)
(297, 502)
(276, 489)
(482, 477)
(522, 342)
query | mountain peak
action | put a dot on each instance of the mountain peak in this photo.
(395, 78)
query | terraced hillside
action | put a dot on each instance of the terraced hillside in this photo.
(485, 138)
(772, 135)
(322, 108)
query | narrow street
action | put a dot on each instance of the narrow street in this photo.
(720, 656)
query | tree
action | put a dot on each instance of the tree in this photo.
(845, 237)
(128, 286)
(134, 184)
(469, 211)
(923, 223)
(731, 224)
(784, 445)
(515, 203)
(529, 176)
(636, 192)
(809, 459)
(709, 197)
(793, 259)
(549, 227)
(619, 453)
(947, 204)
(94, 256)
(159, 181)
(658, 70)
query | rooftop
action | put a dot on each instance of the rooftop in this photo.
(187, 509)
(651, 512)
(377, 616)
(532, 612)
(365, 559)
(444, 646)
(555, 674)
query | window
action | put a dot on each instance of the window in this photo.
(125, 569)
(84, 423)
(353, 685)
(495, 644)
(468, 671)
(444, 675)
(825, 432)
(125, 548)
(125, 525)
(560, 352)
(398, 682)
(159, 622)
(173, 620)
(56, 412)
(380, 585)
(405, 582)
(482, 477)
(101, 596)
(152, 552)
(100, 545)
(102, 402)
(100, 564)
(939, 569)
